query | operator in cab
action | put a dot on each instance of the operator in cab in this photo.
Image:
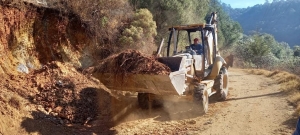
(197, 47)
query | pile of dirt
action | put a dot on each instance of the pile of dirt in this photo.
(67, 94)
(131, 61)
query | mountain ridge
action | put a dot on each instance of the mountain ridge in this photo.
(279, 18)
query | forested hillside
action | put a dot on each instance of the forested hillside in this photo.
(278, 18)
(169, 13)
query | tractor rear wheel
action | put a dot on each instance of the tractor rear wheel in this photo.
(148, 100)
(221, 84)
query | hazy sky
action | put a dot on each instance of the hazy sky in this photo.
(243, 3)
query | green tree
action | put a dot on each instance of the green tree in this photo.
(259, 47)
(141, 30)
(167, 13)
(253, 50)
(297, 51)
(229, 31)
(264, 51)
(279, 49)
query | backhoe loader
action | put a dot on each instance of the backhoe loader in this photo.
(194, 76)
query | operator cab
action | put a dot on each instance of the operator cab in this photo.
(202, 50)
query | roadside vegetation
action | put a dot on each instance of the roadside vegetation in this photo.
(261, 54)
(142, 24)
(169, 13)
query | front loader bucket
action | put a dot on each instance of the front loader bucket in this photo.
(172, 84)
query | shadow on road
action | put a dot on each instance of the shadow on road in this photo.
(89, 112)
(257, 96)
(47, 125)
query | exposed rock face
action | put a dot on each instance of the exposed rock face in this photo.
(67, 94)
(32, 36)
(50, 44)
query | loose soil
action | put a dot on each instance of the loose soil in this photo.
(58, 99)
(131, 61)
(255, 105)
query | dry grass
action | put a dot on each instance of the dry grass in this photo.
(259, 72)
(295, 98)
(290, 83)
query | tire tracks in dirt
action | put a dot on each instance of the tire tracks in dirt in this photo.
(255, 105)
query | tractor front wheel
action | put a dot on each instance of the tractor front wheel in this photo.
(221, 84)
(201, 96)
(148, 101)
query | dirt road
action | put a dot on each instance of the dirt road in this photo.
(255, 106)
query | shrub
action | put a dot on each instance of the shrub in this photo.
(141, 31)
(144, 19)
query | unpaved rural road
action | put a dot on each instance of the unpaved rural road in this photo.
(255, 106)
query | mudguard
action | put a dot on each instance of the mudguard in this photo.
(218, 63)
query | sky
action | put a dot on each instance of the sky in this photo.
(243, 3)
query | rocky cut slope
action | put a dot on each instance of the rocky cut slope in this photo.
(32, 36)
(41, 52)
